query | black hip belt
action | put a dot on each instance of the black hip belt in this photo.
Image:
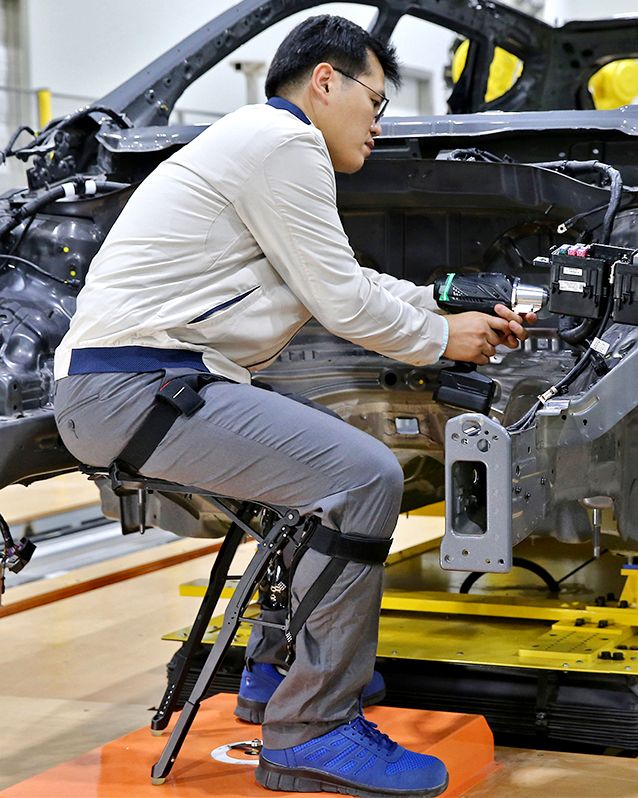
(175, 398)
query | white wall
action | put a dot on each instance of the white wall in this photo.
(87, 47)
(15, 105)
(560, 11)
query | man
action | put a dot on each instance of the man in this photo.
(219, 258)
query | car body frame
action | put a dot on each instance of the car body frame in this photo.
(462, 191)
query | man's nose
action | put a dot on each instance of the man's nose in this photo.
(375, 127)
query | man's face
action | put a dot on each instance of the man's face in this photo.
(349, 124)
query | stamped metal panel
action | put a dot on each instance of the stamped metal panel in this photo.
(478, 485)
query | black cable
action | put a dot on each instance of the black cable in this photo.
(529, 565)
(571, 375)
(20, 239)
(522, 262)
(7, 152)
(564, 226)
(582, 167)
(578, 216)
(474, 153)
(565, 381)
(574, 336)
(570, 167)
(59, 192)
(614, 203)
(57, 124)
(578, 334)
(581, 566)
(35, 267)
(517, 562)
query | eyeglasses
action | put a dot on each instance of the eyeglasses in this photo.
(384, 100)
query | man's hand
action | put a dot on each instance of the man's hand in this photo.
(473, 336)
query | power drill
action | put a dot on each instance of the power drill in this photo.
(457, 293)
(462, 386)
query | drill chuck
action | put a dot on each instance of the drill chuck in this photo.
(527, 298)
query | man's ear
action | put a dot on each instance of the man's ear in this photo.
(321, 80)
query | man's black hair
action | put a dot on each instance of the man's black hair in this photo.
(337, 41)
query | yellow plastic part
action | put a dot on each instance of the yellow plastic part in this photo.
(513, 632)
(615, 84)
(505, 70)
(501, 631)
(437, 509)
(570, 645)
(44, 107)
(630, 590)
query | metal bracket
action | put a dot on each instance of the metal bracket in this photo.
(478, 487)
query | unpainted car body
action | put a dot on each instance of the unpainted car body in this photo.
(415, 211)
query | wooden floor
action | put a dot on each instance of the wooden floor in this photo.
(78, 672)
(20, 503)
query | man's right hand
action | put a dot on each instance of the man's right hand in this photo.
(473, 337)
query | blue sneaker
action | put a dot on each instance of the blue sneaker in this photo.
(354, 759)
(259, 680)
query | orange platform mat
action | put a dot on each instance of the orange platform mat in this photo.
(122, 767)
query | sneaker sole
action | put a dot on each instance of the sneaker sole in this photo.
(282, 779)
(253, 711)
(249, 711)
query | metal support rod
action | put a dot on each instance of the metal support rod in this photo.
(141, 509)
(596, 524)
(278, 535)
(184, 656)
(236, 518)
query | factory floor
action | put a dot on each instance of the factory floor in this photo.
(82, 663)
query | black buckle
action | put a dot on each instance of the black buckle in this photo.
(114, 474)
(180, 395)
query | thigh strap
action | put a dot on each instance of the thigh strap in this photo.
(342, 549)
(358, 548)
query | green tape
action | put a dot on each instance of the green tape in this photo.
(443, 296)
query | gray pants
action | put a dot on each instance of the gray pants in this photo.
(255, 444)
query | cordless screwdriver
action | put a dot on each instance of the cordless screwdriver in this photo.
(457, 293)
(462, 386)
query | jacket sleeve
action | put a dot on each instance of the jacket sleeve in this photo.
(421, 296)
(289, 205)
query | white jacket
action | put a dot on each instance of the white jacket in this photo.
(226, 250)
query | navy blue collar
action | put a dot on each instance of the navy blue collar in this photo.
(286, 105)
